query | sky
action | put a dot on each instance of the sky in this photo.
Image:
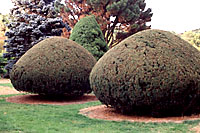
(175, 15)
(171, 15)
(5, 6)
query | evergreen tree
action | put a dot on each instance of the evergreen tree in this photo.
(88, 34)
(117, 18)
(32, 21)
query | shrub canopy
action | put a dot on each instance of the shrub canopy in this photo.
(153, 72)
(55, 66)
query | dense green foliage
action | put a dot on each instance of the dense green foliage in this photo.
(3, 62)
(32, 21)
(55, 66)
(150, 73)
(88, 34)
(126, 16)
(24, 118)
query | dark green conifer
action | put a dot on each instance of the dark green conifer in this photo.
(88, 34)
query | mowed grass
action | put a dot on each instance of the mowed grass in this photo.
(22, 118)
(7, 85)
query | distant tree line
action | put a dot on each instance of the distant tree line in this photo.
(193, 37)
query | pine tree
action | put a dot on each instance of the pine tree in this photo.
(117, 18)
(88, 34)
(32, 21)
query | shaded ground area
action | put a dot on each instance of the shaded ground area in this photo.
(36, 99)
(107, 113)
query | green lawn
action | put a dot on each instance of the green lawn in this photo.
(21, 118)
(7, 85)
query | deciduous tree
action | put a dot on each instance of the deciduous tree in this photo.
(118, 19)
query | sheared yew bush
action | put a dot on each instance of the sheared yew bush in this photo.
(153, 73)
(54, 66)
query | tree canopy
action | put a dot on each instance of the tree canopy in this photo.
(118, 19)
(32, 21)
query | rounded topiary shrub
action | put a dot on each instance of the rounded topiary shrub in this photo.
(88, 34)
(55, 66)
(153, 73)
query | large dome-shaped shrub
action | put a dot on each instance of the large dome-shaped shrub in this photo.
(55, 66)
(153, 72)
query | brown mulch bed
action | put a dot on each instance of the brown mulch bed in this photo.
(107, 113)
(36, 99)
(97, 112)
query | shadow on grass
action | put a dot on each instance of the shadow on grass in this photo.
(37, 99)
